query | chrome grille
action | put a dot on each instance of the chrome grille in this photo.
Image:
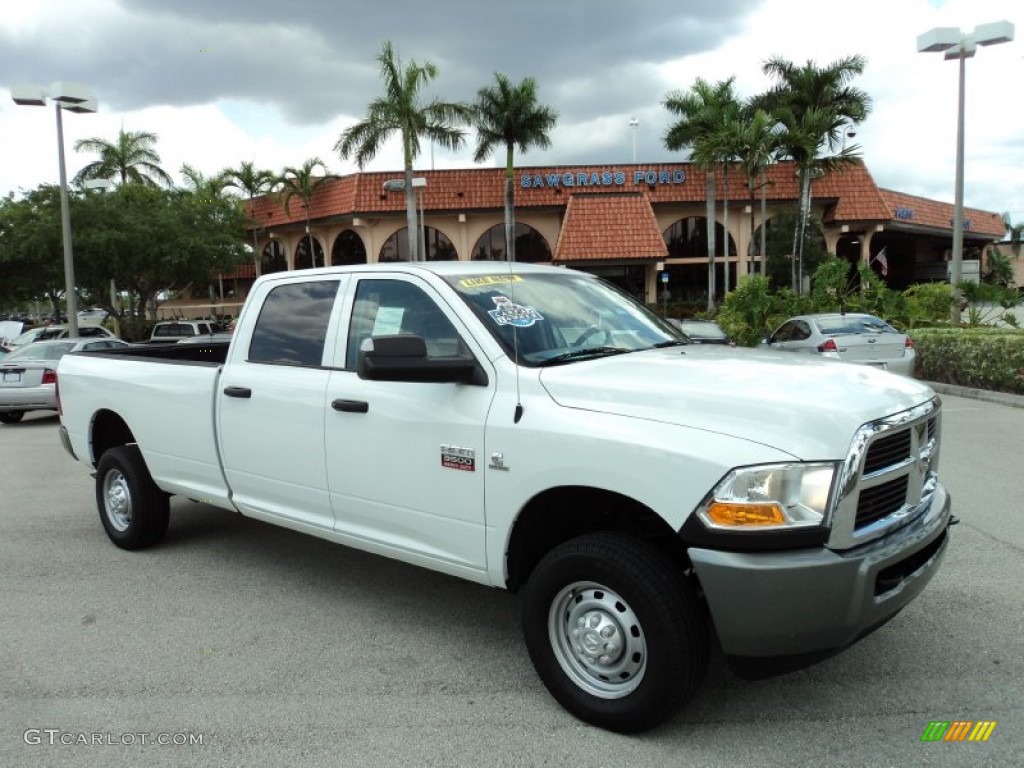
(881, 500)
(888, 477)
(886, 451)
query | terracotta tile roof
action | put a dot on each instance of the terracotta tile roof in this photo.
(855, 196)
(600, 227)
(243, 271)
(923, 212)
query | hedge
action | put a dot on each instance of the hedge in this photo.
(986, 358)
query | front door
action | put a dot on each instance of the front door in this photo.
(406, 460)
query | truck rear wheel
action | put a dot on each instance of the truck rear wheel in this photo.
(134, 511)
(11, 417)
(615, 631)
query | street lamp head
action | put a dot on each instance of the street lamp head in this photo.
(938, 39)
(993, 33)
(69, 93)
(29, 95)
(86, 107)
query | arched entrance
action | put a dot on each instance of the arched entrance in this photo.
(348, 249)
(302, 258)
(530, 244)
(439, 247)
(273, 258)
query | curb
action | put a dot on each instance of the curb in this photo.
(1001, 398)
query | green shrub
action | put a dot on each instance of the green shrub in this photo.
(987, 358)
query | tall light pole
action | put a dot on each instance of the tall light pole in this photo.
(634, 124)
(961, 46)
(74, 98)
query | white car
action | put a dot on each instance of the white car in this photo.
(51, 332)
(28, 375)
(851, 337)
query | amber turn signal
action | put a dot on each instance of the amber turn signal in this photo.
(733, 514)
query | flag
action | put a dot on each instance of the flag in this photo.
(883, 262)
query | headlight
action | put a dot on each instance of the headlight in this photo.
(771, 496)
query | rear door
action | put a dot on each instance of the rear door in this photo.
(272, 401)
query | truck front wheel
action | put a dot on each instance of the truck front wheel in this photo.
(11, 417)
(134, 511)
(615, 631)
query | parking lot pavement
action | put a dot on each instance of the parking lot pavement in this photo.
(274, 648)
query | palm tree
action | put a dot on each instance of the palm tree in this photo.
(251, 182)
(130, 158)
(816, 105)
(401, 111)
(756, 143)
(205, 187)
(508, 115)
(302, 183)
(702, 111)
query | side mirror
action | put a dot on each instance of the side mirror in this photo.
(403, 357)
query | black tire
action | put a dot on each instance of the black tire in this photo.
(630, 594)
(134, 512)
(11, 417)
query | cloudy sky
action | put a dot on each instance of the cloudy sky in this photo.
(276, 81)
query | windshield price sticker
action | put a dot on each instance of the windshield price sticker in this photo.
(510, 313)
(476, 282)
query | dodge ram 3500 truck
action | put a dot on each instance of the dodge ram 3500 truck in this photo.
(535, 429)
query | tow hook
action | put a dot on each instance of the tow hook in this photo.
(953, 520)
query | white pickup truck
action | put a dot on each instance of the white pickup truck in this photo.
(532, 428)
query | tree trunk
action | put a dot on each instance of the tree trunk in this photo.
(710, 213)
(805, 205)
(510, 228)
(751, 251)
(410, 207)
(725, 226)
(764, 222)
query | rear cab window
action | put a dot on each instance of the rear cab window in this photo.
(293, 323)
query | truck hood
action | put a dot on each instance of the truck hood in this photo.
(807, 407)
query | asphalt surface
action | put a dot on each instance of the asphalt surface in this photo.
(274, 648)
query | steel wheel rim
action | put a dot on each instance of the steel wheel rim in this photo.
(597, 639)
(117, 500)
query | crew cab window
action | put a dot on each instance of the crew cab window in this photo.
(388, 307)
(292, 326)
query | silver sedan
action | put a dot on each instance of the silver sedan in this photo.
(28, 375)
(851, 337)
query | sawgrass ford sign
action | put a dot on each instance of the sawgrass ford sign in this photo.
(583, 178)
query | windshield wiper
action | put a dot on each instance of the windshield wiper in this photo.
(579, 354)
(672, 343)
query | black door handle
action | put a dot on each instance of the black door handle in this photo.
(238, 392)
(350, 406)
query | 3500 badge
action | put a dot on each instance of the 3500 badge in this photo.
(454, 457)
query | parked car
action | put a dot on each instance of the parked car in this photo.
(28, 374)
(851, 337)
(51, 332)
(170, 331)
(703, 331)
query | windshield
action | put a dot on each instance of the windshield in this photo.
(542, 319)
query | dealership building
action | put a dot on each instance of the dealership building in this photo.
(630, 224)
